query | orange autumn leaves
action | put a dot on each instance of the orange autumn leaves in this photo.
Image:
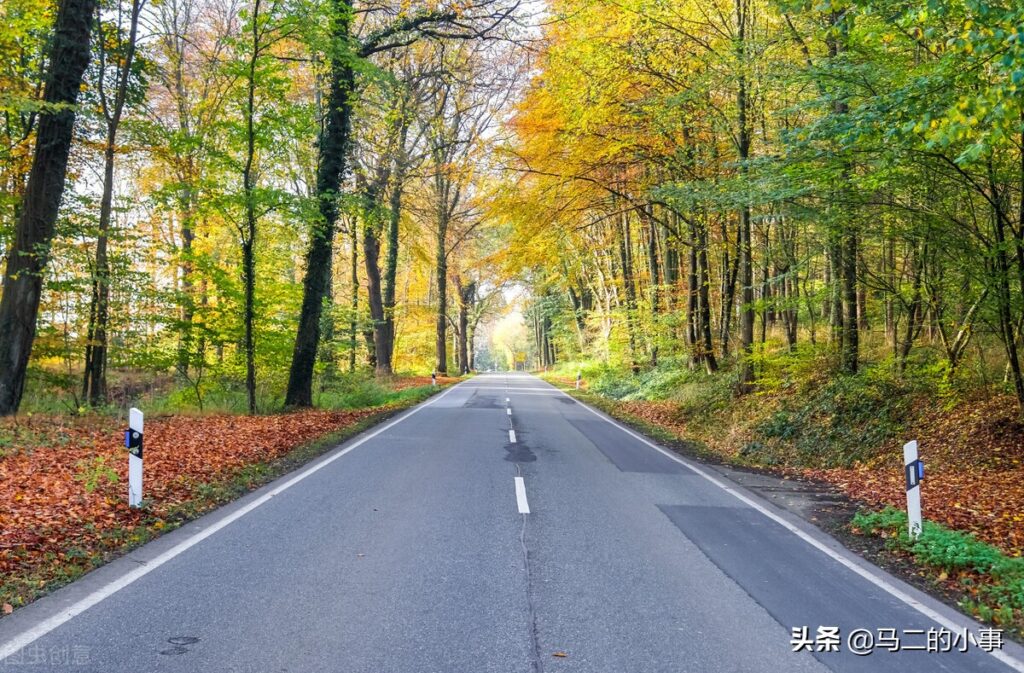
(63, 488)
(974, 476)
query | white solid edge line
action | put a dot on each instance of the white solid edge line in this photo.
(521, 502)
(512, 436)
(879, 582)
(47, 625)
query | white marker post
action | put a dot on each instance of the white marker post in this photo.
(133, 440)
(433, 378)
(579, 377)
(913, 470)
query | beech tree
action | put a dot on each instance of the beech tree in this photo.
(26, 259)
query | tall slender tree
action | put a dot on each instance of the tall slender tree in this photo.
(115, 48)
(27, 259)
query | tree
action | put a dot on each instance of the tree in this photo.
(471, 21)
(333, 147)
(111, 45)
(383, 185)
(26, 261)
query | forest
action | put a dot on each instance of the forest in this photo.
(233, 199)
(725, 182)
(256, 200)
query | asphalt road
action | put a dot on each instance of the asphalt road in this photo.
(438, 544)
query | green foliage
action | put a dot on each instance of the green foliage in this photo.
(95, 472)
(842, 420)
(361, 390)
(670, 380)
(1002, 577)
(804, 412)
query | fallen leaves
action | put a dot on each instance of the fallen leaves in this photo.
(974, 480)
(662, 414)
(49, 519)
(405, 382)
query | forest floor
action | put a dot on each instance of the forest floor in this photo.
(63, 479)
(972, 449)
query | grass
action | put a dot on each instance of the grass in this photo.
(840, 421)
(992, 581)
(167, 394)
(802, 414)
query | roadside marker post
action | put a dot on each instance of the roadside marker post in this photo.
(433, 378)
(913, 470)
(579, 378)
(133, 442)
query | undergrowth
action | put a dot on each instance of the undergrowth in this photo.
(802, 412)
(992, 581)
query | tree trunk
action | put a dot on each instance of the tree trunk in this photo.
(1003, 295)
(704, 301)
(629, 287)
(729, 272)
(692, 304)
(471, 338)
(913, 310)
(94, 384)
(187, 267)
(851, 333)
(889, 266)
(249, 276)
(746, 281)
(835, 295)
(27, 258)
(353, 325)
(249, 232)
(441, 264)
(386, 344)
(746, 273)
(380, 359)
(654, 270)
(333, 149)
(467, 294)
(862, 292)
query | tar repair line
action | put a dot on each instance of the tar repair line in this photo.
(536, 664)
(879, 582)
(47, 625)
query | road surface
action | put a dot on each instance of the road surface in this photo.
(501, 526)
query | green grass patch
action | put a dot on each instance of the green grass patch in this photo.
(992, 581)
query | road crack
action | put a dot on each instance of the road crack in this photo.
(536, 664)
